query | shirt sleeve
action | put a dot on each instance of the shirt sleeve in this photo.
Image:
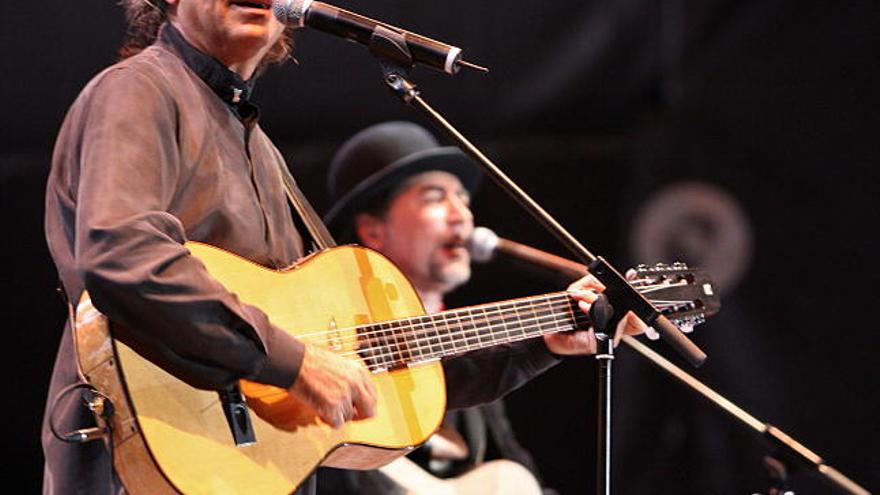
(130, 254)
(487, 375)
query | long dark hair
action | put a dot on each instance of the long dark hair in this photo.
(144, 18)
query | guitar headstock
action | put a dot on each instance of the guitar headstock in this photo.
(684, 295)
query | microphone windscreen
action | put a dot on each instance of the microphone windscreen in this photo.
(290, 11)
(482, 244)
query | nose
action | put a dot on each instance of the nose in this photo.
(459, 211)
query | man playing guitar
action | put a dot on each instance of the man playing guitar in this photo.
(402, 194)
(162, 149)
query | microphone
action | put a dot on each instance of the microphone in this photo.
(369, 32)
(484, 243)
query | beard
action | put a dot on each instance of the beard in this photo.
(450, 275)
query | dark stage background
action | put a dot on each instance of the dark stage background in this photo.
(739, 135)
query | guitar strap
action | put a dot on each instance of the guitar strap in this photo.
(320, 235)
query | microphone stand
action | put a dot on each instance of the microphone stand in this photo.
(395, 60)
(788, 453)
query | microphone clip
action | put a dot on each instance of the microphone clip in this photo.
(390, 47)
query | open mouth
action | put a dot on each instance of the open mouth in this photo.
(253, 4)
(455, 246)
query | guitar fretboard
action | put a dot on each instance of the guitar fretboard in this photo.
(425, 338)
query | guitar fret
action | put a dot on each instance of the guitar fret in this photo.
(526, 332)
(424, 339)
(484, 329)
(569, 306)
(504, 317)
(520, 328)
(449, 336)
(474, 337)
(461, 336)
(382, 344)
(496, 323)
(415, 338)
(516, 321)
(408, 357)
(450, 343)
(435, 340)
(455, 336)
(398, 348)
(555, 321)
(375, 347)
(443, 336)
(547, 321)
(384, 337)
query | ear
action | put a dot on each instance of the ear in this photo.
(370, 230)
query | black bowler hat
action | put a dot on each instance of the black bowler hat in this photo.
(379, 158)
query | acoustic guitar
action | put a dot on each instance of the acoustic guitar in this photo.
(168, 437)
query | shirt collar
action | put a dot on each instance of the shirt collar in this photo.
(227, 84)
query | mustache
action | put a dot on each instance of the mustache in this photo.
(455, 240)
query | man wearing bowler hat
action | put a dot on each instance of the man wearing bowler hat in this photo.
(396, 190)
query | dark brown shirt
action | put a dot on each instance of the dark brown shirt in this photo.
(149, 157)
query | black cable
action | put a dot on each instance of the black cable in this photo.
(82, 435)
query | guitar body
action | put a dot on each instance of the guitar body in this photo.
(169, 437)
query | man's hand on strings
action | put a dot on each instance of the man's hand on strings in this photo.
(338, 389)
(585, 291)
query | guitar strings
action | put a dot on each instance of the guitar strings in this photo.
(419, 344)
(323, 333)
(470, 315)
(455, 313)
(414, 339)
(409, 339)
(424, 340)
(454, 317)
(422, 347)
(426, 351)
(463, 315)
(431, 329)
(418, 339)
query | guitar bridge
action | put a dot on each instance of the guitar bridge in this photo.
(237, 415)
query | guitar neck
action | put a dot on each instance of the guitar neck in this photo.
(426, 338)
